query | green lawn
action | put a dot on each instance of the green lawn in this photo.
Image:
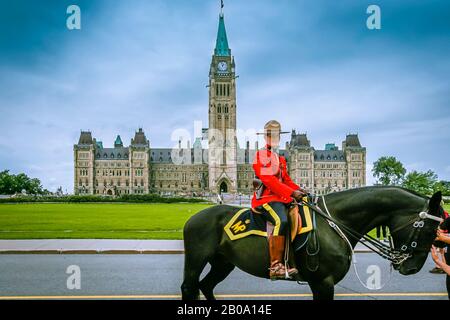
(95, 221)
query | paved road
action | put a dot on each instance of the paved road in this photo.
(156, 276)
(100, 246)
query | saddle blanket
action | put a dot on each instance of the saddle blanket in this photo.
(245, 223)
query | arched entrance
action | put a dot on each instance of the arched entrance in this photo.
(223, 187)
(109, 192)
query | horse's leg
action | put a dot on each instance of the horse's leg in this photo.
(323, 290)
(220, 269)
(194, 263)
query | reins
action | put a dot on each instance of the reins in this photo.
(383, 250)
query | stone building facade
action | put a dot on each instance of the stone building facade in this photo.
(222, 167)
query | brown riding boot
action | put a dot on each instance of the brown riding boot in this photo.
(276, 251)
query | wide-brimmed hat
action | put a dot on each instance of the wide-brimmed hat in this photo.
(271, 127)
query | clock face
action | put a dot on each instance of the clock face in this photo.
(222, 66)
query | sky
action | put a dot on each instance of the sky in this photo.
(313, 65)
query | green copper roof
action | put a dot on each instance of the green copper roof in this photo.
(222, 41)
(118, 142)
(198, 143)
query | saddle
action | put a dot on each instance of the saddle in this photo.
(246, 222)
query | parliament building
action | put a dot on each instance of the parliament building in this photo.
(222, 167)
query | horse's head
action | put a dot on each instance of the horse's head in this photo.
(417, 235)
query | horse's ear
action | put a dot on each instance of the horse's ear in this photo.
(435, 202)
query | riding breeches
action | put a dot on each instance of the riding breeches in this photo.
(277, 214)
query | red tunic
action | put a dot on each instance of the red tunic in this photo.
(271, 169)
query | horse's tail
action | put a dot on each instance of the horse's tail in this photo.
(202, 234)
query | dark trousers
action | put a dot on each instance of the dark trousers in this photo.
(447, 284)
(277, 214)
(381, 229)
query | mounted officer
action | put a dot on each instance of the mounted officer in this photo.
(273, 197)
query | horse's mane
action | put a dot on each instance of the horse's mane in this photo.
(385, 187)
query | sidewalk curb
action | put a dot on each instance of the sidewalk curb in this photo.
(87, 251)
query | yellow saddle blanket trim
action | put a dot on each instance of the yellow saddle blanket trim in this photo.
(238, 228)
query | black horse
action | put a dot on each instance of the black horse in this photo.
(361, 209)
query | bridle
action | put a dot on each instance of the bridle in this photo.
(388, 252)
(418, 223)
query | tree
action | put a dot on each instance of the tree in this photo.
(421, 182)
(6, 183)
(388, 171)
(443, 186)
(11, 184)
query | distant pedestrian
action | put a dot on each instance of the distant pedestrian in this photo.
(382, 231)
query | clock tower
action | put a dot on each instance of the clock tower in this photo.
(222, 142)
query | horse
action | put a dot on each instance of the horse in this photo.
(361, 209)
